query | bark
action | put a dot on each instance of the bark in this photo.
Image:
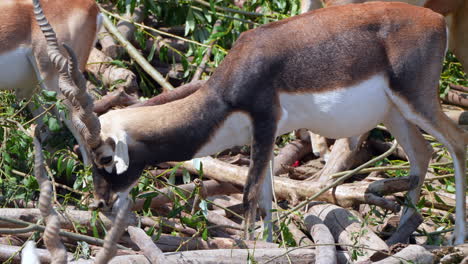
(167, 195)
(456, 98)
(108, 44)
(345, 195)
(321, 235)
(293, 151)
(459, 87)
(127, 29)
(299, 236)
(346, 153)
(82, 218)
(118, 98)
(169, 96)
(169, 243)
(220, 220)
(348, 230)
(459, 117)
(146, 244)
(412, 254)
(100, 65)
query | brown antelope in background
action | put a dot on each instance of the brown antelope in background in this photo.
(338, 71)
(24, 62)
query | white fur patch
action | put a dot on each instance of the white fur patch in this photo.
(16, 71)
(343, 112)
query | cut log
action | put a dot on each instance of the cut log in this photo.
(348, 230)
(100, 65)
(456, 98)
(345, 195)
(410, 254)
(167, 195)
(321, 235)
(293, 151)
(118, 98)
(169, 243)
(146, 244)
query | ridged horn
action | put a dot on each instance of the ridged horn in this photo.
(72, 84)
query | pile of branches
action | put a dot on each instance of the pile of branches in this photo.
(196, 215)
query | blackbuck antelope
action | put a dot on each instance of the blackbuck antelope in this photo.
(338, 71)
(23, 52)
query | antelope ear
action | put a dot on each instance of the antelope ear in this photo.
(121, 158)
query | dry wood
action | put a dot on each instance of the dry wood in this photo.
(459, 117)
(412, 253)
(456, 98)
(201, 68)
(100, 65)
(405, 229)
(146, 244)
(345, 195)
(225, 224)
(109, 45)
(70, 217)
(348, 230)
(169, 243)
(167, 195)
(173, 95)
(295, 150)
(459, 87)
(299, 236)
(126, 27)
(118, 98)
(345, 154)
(321, 235)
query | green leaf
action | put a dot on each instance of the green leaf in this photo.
(53, 124)
(50, 96)
(186, 177)
(189, 23)
(205, 234)
(204, 208)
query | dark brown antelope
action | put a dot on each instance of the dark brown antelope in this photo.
(338, 71)
(23, 51)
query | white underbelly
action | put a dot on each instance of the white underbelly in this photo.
(15, 70)
(343, 112)
(340, 113)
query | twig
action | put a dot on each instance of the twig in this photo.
(133, 52)
(201, 68)
(227, 9)
(40, 228)
(341, 180)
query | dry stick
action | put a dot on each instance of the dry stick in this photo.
(146, 244)
(341, 180)
(40, 228)
(51, 232)
(133, 52)
(226, 9)
(321, 235)
(201, 68)
(114, 234)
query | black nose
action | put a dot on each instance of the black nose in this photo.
(105, 160)
(97, 204)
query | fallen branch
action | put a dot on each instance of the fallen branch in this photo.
(410, 254)
(167, 194)
(169, 243)
(321, 235)
(145, 243)
(456, 98)
(293, 151)
(118, 98)
(347, 229)
(133, 52)
(201, 68)
(169, 96)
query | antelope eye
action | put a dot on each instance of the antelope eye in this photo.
(105, 160)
